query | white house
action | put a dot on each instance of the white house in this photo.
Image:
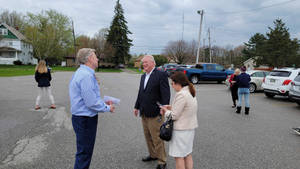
(251, 65)
(13, 46)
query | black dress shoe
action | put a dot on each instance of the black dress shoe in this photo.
(161, 166)
(148, 158)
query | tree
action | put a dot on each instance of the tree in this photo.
(50, 34)
(255, 48)
(117, 39)
(13, 19)
(160, 60)
(98, 41)
(281, 50)
(177, 51)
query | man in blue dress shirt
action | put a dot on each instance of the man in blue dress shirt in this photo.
(86, 103)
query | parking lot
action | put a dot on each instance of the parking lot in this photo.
(45, 139)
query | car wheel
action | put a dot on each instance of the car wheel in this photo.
(270, 95)
(194, 79)
(298, 103)
(252, 88)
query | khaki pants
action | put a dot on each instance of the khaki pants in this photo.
(155, 145)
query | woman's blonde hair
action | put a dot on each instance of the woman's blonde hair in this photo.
(41, 67)
(237, 70)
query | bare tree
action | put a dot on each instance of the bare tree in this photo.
(98, 41)
(13, 19)
(177, 51)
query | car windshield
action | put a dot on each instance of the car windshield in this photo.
(297, 79)
(280, 73)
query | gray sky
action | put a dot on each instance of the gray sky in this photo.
(156, 22)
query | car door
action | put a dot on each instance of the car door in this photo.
(220, 73)
(209, 73)
(257, 78)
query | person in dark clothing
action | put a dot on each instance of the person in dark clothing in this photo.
(243, 82)
(43, 78)
(234, 86)
(154, 87)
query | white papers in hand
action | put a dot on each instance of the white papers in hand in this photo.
(113, 99)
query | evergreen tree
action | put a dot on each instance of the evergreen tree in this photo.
(281, 51)
(117, 37)
(255, 48)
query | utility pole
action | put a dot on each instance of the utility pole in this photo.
(209, 45)
(203, 59)
(74, 40)
(182, 25)
(201, 12)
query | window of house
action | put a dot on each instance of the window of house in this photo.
(11, 54)
(10, 43)
(3, 31)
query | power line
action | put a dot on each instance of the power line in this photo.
(254, 9)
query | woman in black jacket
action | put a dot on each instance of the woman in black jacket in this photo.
(43, 78)
(243, 82)
(234, 86)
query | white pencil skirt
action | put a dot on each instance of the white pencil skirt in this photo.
(181, 143)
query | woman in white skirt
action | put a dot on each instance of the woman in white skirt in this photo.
(184, 113)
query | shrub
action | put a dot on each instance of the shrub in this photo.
(17, 62)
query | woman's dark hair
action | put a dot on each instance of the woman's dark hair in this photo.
(181, 79)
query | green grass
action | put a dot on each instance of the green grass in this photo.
(110, 70)
(136, 70)
(14, 70)
(23, 70)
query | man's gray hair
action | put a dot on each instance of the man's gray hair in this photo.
(150, 57)
(83, 55)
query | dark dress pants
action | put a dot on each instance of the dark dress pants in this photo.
(85, 129)
(234, 94)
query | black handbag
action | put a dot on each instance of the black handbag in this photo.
(166, 129)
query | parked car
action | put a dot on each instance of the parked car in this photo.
(180, 68)
(160, 68)
(207, 72)
(278, 82)
(257, 77)
(169, 68)
(294, 93)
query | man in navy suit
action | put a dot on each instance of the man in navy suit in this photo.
(154, 87)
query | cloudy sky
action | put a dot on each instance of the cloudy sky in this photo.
(156, 22)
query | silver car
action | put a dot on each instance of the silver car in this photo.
(294, 93)
(257, 77)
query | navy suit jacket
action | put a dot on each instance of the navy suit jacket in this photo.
(157, 90)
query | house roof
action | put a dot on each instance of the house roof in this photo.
(18, 34)
(139, 58)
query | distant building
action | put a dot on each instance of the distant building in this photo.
(13, 46)
(70, 60)
(138, 62)
(251, 65)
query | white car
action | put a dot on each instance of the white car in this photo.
(278, 82)
(257, 77)
(294, 93)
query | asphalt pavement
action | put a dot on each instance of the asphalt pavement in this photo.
(45, 139)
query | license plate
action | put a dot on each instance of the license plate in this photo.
(272, 80)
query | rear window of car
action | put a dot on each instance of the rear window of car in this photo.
(280, 73)
(297, 79)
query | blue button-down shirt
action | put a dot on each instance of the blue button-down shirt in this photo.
(84, 93)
